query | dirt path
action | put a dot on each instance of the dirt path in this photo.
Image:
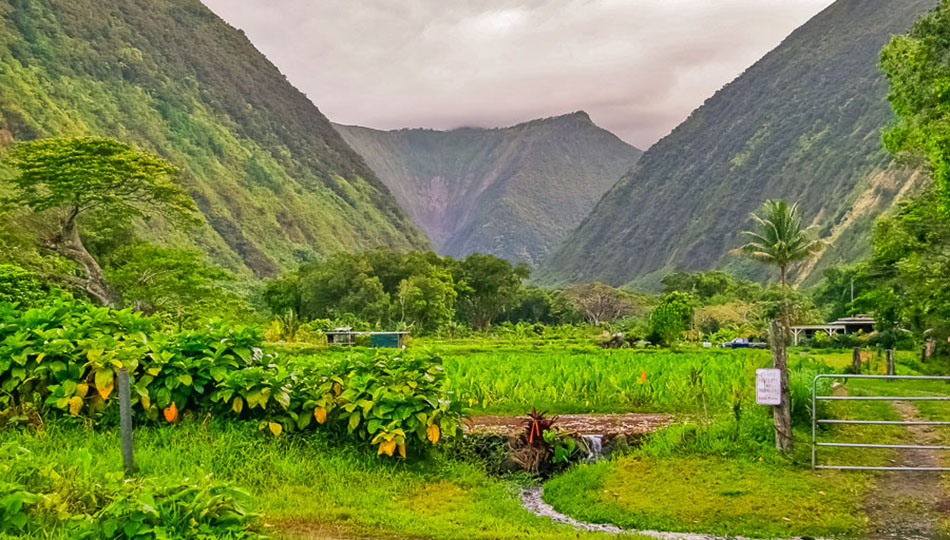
(910, 505)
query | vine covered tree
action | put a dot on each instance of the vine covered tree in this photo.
(69, 181)
(780, 240)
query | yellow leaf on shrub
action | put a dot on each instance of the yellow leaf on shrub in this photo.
(146, 401)
(402, 450)
(320, 413)
(275, 428)
(386, 447)
(82, 389)
(432, 433)
(171, 412)
(237, 405)
(75, 405)
(105, 382)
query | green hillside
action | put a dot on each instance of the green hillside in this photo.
(803, 123)
(274, 180)
(513, 192)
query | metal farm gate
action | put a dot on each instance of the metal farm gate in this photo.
(815, 421)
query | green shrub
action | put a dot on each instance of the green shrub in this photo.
(20, 286)
(67, 355)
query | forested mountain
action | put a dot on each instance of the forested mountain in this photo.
(512, 192)
(803, 123)
(272, 178)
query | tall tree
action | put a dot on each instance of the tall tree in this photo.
(601, 302)
(487, 286)
(70, 180)
(780, 240)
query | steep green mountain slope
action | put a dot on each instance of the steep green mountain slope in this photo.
(513, 192)
(803, 123)
(274, 180)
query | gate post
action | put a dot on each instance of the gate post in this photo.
(856, 360)
(891, 369)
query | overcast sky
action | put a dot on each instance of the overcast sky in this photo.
(637, 66)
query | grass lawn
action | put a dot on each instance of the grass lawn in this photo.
(693, 480)
(713, 495)
(303, 487)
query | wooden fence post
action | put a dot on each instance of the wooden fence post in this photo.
(856, 360)
(125, 420)
(891, 368)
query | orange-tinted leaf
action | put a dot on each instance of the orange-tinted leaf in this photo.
(432, 433)
(171, 412)
(105, 382)
(402, 450)
(320, 413)
(386, 447)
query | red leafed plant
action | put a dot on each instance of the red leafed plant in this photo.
(535, 426)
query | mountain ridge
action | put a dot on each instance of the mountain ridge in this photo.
(802, 123)
(275, 182)
(496, 190)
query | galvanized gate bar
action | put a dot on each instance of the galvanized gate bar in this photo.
(888, 422)
(860, 468)
(815, 421)
(869, 445)
(886, 398)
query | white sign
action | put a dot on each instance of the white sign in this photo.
(768, 386)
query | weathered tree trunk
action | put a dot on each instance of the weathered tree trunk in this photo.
(69, 245)
(782, 413)
(856, 360)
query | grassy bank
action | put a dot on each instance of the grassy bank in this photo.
(300, 486)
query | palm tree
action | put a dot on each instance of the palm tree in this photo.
(780, 240)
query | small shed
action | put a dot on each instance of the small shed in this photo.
(346, 337)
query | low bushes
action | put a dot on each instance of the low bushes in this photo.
(67, 356)
(53, 498)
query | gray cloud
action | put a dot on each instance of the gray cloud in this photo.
(638, 67)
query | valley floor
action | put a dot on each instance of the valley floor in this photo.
(703, 473)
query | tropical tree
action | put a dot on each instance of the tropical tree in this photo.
(780, 240)
(487, 286)
(601, 302)
(70, 181)
(671, 318)
(154, 279)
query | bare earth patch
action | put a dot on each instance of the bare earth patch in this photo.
(585, 424)
(303, 529)
(911, 505)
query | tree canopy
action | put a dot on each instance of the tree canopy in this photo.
(73, 179)
(917, 69)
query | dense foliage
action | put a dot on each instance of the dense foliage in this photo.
(916, 67)
(67, 356)
(42, 498)
(417, 290)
